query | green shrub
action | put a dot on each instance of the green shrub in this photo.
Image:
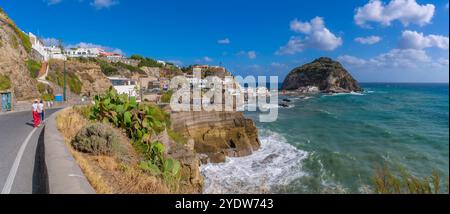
(75, 83)
(56, 77)
(140, 122)
(130, 67)
(42, 88)
(107, 68)
(137, 57)
(166, 96)
(159, 165)
(149, 62)
(5, 82)
(25, 40)
(97, 139)
(48, 97)
(33, 67)
(83, 110)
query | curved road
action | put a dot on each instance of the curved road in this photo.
(20, 167)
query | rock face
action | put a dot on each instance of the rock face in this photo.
(327, 75)
(217, 134)
(12, 61)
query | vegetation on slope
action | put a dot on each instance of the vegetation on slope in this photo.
(33, 67)
(5, 82)
(113, 171)
(74, 83)
(107, 68)
(141, 123)
(146, 62)
(25, 40)
(129, 67)
(166, 96)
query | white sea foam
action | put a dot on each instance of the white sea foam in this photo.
(275, 164)
(344, 94)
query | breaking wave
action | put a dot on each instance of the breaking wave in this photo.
(276, 164)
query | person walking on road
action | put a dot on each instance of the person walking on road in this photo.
(42, 112)
(36, 116)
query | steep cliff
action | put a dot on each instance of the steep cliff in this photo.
(327, 75)
(14, 52)
(217, 134)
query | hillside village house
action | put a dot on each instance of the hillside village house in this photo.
(83, 52)
(55, 53)
(126, 86)
(39, 51)
(42, 52)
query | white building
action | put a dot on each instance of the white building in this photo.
(83, 52)
(46, 52)
(55, 53)
(125, 86)
(38, 46)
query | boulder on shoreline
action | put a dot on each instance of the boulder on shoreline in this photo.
(322, 75)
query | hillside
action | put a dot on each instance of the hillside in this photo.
(14, 52)
(83, 78)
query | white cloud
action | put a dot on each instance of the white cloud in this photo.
(395, 58)
(370, 40)
(405, 11)
(100, 4)
(91, 45)
(249, 54)
(50, 41)
(415, 40)
(294, 45)
(53, 2)
(278, 65)
(207, 59)
(225, 41)
(317, 36)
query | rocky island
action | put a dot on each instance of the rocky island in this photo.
(322, 75)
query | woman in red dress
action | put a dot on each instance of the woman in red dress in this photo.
(36, 116)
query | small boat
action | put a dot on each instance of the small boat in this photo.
(287, 100)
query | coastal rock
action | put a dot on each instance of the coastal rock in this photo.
(218, 134)
(191, 177)
(322, 75)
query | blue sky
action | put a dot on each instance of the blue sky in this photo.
(377, 41)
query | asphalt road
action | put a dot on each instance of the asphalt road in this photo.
(20, 167)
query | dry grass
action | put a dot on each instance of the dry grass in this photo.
(108, 175)
(402, 181)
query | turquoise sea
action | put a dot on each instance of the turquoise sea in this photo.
(333, 143)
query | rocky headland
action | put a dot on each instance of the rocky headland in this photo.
(323, 75)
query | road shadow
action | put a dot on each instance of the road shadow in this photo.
(40, 176)
(30, 124)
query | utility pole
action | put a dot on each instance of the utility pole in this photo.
(65, 72)
(65, 81)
